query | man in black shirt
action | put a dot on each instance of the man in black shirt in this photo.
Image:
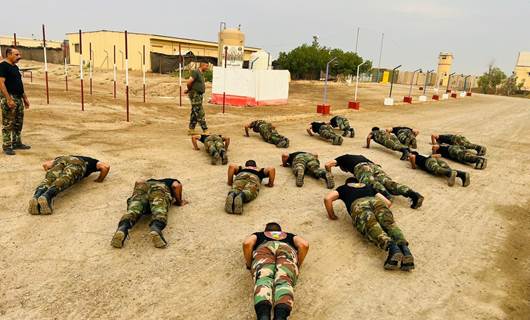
(372, 217)
(13, 100)
(304, 161)
(456, 139)
(154, 197)
(405, 135)
(246, 184)
(325, 131)
(343, 124)
(436, 166)
(61, 173)
(274, 258)
(461, 154)
(387, 140)
(215, 145)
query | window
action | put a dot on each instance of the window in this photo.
(76, 47)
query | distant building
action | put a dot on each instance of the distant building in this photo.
(522, 69)
(445, 62)
(28, 42)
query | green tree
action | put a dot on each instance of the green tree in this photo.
(510, 86)
(489, 81)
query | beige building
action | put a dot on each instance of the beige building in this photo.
(103, 43)
(445, 62)
(522, 69)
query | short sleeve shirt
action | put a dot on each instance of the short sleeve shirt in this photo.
(198, 82)
(445, 138)
(315, 126)
(13, 79)
(91, 164)
(349, 194)
(349, 161)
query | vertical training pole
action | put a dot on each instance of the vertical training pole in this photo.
(143, 68)
(15, 39)
(114, 73)
(126, 76)
(224, 89)
(180, 76)
(357, 79)
(90, 65)
(326, 81)
(45, 64)
(81, 71)
(412, 81)
(65, 74)
(392, 80)
(357, 41)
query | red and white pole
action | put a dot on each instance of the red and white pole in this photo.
(81, 71)
(66, 74)
(45, 65)
(126, 76)
(143, 69)
(114, 72)
(90, 65)
(224, 89)
(180, 77)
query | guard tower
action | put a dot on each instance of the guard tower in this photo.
(445, 61)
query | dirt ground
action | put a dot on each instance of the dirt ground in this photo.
(470, 244)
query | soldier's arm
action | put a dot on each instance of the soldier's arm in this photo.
(435, 149)
(247, 126)
(177, 191)
(231, 172)
(103, 169)
(330, 164)
(248, 244)
(226, 141)
(368, 138)
(285, 157)
(47, 165)
(302, 247)
(189, 84)
(328, 203)
(412, 159)
(10, 103)
(434, 138)
(271, 174)
(309, 131)
(385, 199)
(194, 142)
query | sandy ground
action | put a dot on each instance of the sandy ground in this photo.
(470, 244)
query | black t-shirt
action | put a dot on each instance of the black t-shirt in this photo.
(420, 160)
(168, 182)
(261, 173)
(349, 194)
(255, 125)
(204, 136)
(262, 238)
(444, 151)
(13, 78)
(395, 130)
(445, 138)
(91, 164)
(349, 161)
(333, 121)
(315, 126)
(292, 156)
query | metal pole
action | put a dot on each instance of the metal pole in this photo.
(90, 65)
(114, 72)
(224, 89)
(15, 39)
(392, 80)
(357, 79)
(180, 76)
(380, 55)
(143, 68)
(251, 64)
(357, 40)
(126, 75)
(45, 64)
(412, 80)
(81, 71)
(465, 82)
(449, 81)
(326, 80)
(66, 74)
(426, 79)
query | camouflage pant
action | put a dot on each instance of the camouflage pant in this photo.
(437, 166)
(248, 184)
(64, 173)
(372, 218)
(12, 122)
(326, 132)
(372, 174)
(275, 271)
(197, 111)
(272, 136)
(461, 154)
(462, 141)
(214, 145)
(148, 197)
(308, 163)
(343, 124)
(388, 140)
(407, 137)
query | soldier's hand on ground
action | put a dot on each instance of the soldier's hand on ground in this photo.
(333, 217)
(11, 103)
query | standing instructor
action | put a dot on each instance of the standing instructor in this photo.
(195, 90)
(12, 100)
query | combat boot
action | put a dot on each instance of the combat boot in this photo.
(405, 154)
(238, 204)
(224, 157)
(9, 151)
(156, 227)
(191, 132)
(21, 146)
(283, 143)
(407, 263)
(121, 234)
(394, 256)
(330, 182)
(216, 157)
(33, 207)
(299, 173)
(337, 140)
(352, 133)
(281, 311)
(345, 132)
(481, 163)
(415, 198)
(229, 203)
(263, 310)
(481, 150)
(465, 177)
(45, 201)
(451, 178)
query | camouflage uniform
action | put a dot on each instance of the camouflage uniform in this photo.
(274, 265)
(197, 111)
(372, 174)
(214, 144)
(344, 125)
(65, 172)
(248, 184)
(461, 154)
(12, 122)
(269, 134)
(372, 218)
(308, 163)
(149, 196)
(388, 140)
(462, 141)
(437, 166)
(326, 132)
(407, 137)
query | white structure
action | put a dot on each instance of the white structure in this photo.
(259, 60)
(423, 98)
(389, 102)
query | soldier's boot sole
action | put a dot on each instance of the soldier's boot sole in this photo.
(419, 202)
(451, 178)
(158, 240)
(345, 133)
(467, 179)
(393, 262)
(481, 164)
(407, 263)
(352, 133)
(224, 157)
(33, 207)
(299, 177)
(482, 151)
(216, 158)
(238, 204)
(229, 203)
(330, 182)
(118, 240)
(45, 207)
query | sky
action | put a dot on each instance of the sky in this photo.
(478, 33)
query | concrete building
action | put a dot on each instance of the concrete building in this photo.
(103, 43)
(445, 62)
(522, 69)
